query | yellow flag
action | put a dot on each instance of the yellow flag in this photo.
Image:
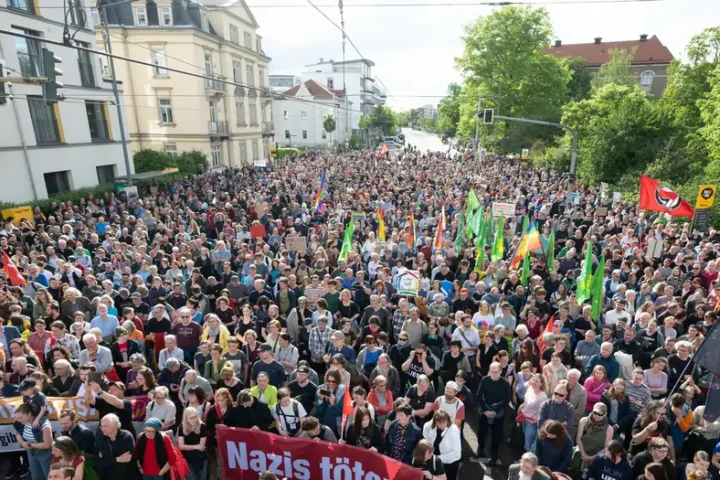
(381, 226)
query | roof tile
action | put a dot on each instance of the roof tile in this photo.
(651, 51)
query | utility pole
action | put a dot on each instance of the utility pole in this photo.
(477, 124)
(345, 93)
(28, 166)
(108, 46)
(573, 158)
(497, 107)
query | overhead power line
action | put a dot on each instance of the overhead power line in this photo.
(169, 69)
(440, 4)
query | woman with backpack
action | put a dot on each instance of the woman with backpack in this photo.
(288, 413)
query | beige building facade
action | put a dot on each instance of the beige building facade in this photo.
(174, 112)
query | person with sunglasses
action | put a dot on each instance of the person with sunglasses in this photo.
(558, 408)
(594, 434)
(329, 401)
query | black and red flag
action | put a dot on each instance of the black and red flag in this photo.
(654, 196)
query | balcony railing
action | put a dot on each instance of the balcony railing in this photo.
(218, 129)
(268, 128)
(214, 86)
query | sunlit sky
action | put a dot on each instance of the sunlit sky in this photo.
(414, 47)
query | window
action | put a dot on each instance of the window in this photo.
(171, 149)
(97, 121)
(213, 111)
(87, 79)
(216, 155)
(166, 19)
(261, 77)
(330, 83)
(250, 73)
(324, 135)
(208, 64)
(159, 59)
(253, 112)
(57, 182)
(242, 147)
(646, 78)
(234, 35)
(104, 66)
(237, 71)
(166, 113)
(258, 44)
(141, 17)
(266, 149)
(28, 52)
(248, 40)
(204, 21)
(240, 107)
(256, 150)
(287, 134)
(105, 173)
(95, 17)
(77, 16)
(286, 115)
(27, 5)
(44, 121)
(303, 115)
(304, 134)
(263, 113)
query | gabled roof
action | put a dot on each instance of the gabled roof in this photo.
(315, 89)
(232, 3)
(650, 51)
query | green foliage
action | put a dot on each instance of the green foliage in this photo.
(283, 152)
(354, 141)
(504, 54)
(364, 121)
(428, 124)
(449, 111)
(329, 124)
(149, 160)
(618, 132)
(193, 162)
(617, 70)
(580, 82)
(384, 118)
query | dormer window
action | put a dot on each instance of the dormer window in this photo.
(141, 17)
(166, 19)
(204, 21)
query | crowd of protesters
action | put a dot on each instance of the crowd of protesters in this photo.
(198, 296)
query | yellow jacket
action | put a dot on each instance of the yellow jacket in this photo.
(270, 395)
(224, 335)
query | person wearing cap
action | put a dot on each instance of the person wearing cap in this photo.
(267, 364)
(112, 401)
(451, 404)
(31, 395)
(302, 388)
(142, 309)
(337, 345)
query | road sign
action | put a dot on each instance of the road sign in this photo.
(705, 200)
(525, 154)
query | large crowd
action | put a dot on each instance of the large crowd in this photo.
(202, 296)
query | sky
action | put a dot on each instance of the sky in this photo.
(414, 47)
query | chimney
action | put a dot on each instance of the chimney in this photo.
(643, 37)
(558, 43)
(321, 59)
(598, 40)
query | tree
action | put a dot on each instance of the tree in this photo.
(193, 162)
(149, 160)
(364, 121)
(617, 70)
(504, 54)
(329, 124)
(449, 111)
(354, 141)
(580, 82)
(618, 132)
(383, 117)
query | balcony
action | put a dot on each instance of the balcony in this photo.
(214, 86)
(218, 129)
(268, 129)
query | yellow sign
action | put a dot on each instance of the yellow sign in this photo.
(705, 198)
(19, 214)
(83, 411)
(525, 154)
(273, 152)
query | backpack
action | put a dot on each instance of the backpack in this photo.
(296, 413)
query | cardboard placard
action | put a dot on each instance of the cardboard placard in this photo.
(654, 247)
(507, 209)
(19, 214)
(617, 196)
(601, 212)
(257, 231)
(409, 283)
(296, 244)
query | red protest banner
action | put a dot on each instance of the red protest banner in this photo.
(247, 453)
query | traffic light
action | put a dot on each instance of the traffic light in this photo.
(51, 73)
(487, 116)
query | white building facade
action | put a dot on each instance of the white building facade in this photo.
(71, 144)
(283, 83)
(300, 123)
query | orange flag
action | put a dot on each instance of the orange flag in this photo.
(12, 271)
(385, 148)
(548, 329)
(348, 408)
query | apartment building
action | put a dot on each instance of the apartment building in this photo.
(51, 148)
(174, 112)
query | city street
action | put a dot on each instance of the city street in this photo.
(423, 140)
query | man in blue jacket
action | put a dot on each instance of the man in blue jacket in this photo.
(607, 360)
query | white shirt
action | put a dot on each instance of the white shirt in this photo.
(470, 339)
(612, 317)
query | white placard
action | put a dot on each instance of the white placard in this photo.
(507, 209)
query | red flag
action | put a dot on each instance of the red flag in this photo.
(348, 408)
(12, 272)
(654, 196)
(548, 329)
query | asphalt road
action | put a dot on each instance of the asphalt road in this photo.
(423, 140)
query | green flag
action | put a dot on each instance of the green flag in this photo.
(597, 289)
(525, 274)
(550, 251)
(476, 222)
(347, 241)
(583, 283)
(480, 246)
(526, 222)
(460, 232)
(490, 233)
(470, 206)
(498, 249)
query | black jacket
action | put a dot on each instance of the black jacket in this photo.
(256, 415)
(83, 438)
(412, 436)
